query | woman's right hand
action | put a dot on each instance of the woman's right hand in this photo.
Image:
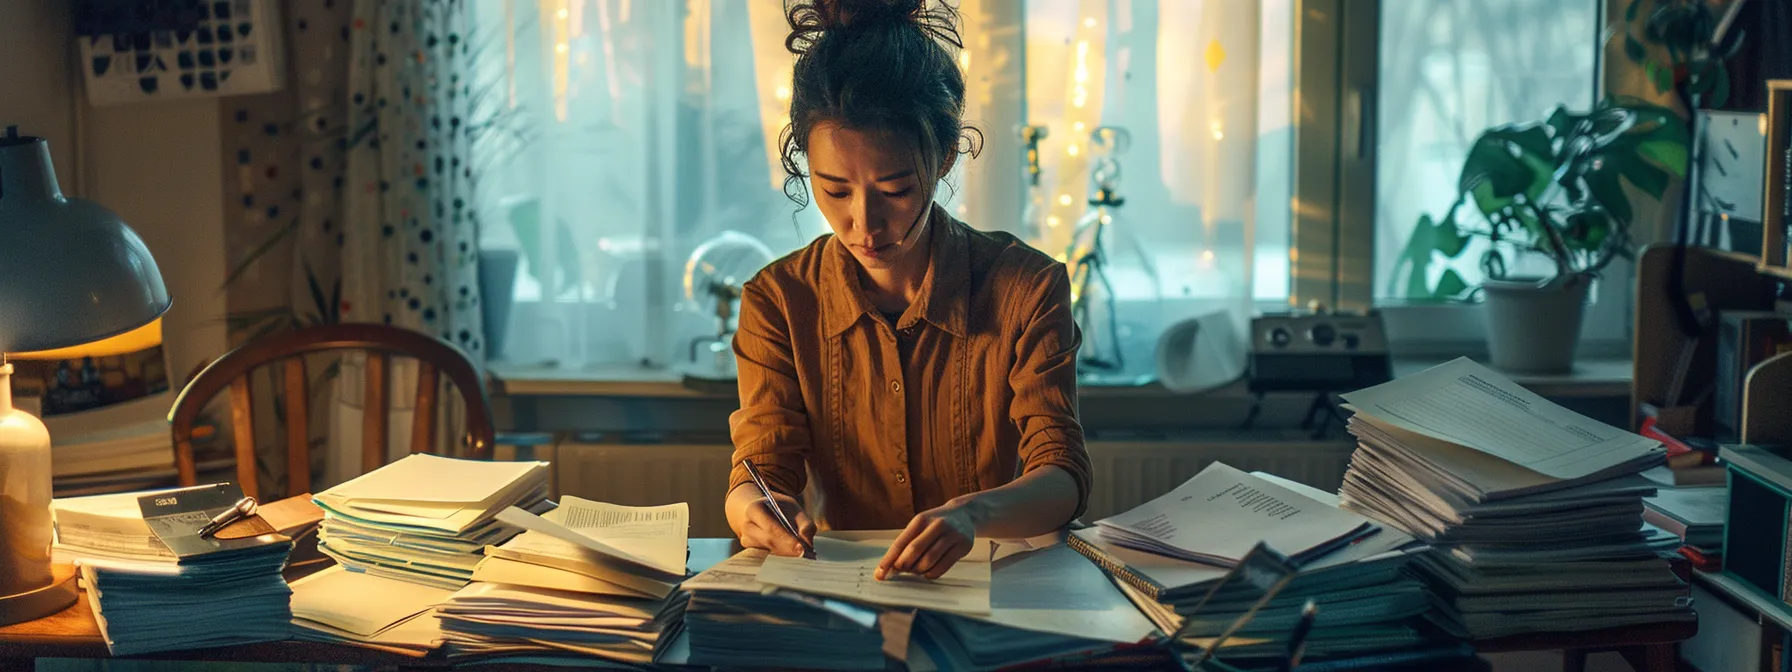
(762, 530)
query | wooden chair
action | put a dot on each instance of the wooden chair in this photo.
(434, 356)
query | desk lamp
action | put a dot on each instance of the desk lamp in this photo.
(71, 274)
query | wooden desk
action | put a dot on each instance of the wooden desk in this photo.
(74, 633)
(1648, 648)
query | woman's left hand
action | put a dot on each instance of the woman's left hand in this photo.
(934, 541)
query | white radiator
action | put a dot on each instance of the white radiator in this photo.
(1126, 473)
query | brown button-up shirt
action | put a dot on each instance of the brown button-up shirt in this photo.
(974, 384)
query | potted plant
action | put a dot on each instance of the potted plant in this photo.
(1554, 188)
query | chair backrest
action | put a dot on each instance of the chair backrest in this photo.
(381, 342)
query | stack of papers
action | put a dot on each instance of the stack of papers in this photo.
(212, 591)
(1535, 512)
(1696, 515)
(338, 606)
(105, 526)
(488, 620)
(733, 620)
(426, 519)
(1220, 514)
(587, 578)
(1368, 599)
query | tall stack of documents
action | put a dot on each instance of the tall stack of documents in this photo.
(426, 519)
(206, 591)
(1535, 512)
(587, 578)
(1368, 600)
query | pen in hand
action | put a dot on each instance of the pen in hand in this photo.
(777, 510)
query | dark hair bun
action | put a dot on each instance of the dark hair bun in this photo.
(809, 19)
(875, 64)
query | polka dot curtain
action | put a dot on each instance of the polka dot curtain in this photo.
(410, 257)
(351, 199)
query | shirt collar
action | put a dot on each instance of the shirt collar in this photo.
(943, 301)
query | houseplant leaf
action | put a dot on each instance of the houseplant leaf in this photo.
(1604, 186)
(1451, 285)
(1650, 179)
(1634, 48)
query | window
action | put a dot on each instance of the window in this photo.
(1448, 70)
(652, 132)
(652, 129)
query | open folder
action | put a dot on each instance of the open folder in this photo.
(435, 493)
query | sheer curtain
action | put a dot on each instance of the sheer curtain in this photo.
(1192, 87)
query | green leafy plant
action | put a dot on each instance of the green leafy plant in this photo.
(1687, 32)
(1554, 188)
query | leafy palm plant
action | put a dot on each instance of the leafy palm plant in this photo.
(1554, 188)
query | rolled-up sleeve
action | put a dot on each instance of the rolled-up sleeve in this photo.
(1044, 384)
(772, 426)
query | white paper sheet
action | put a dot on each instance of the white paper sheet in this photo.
(361, 604)
(654, 538)
(847, 569)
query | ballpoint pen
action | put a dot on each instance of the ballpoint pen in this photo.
(243, 508)
(778, 511)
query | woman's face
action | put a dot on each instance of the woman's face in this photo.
(866, 184)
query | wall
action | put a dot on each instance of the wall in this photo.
(154, 164)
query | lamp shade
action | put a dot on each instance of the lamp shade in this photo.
(70, 271)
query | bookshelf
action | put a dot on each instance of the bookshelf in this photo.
(1728, 281)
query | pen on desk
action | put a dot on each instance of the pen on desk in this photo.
(778, 511)
(1297, 643)
(243, 508)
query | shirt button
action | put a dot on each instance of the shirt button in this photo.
(895, 386)
(901, 478)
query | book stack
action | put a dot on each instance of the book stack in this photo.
(426, 519)
(1534, 512)
(1695, 516)
(189, 592)
(585, 579)
(733, 620)
(1368, 600)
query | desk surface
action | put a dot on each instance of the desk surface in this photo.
(73, 633)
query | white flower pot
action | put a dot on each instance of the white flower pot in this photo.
(1534, 327)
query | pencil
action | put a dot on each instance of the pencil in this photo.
(1297, 643)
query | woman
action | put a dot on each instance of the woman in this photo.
(922, 371)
